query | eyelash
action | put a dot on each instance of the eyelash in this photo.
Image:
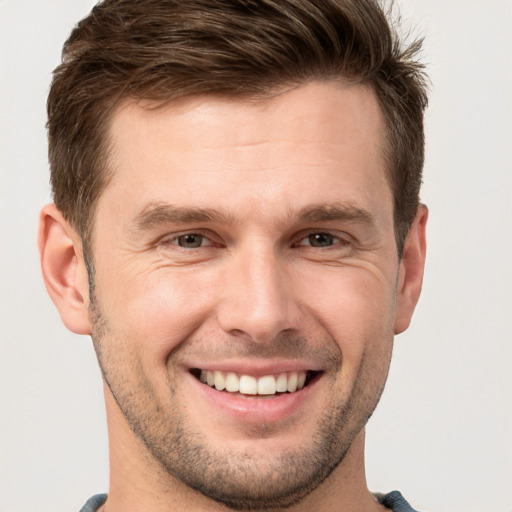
(336, 240)
(175, 240)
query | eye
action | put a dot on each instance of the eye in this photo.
(320, 240)
(190, 240)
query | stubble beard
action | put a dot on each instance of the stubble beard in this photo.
(234, 478)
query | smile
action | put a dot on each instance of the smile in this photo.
(231, 382)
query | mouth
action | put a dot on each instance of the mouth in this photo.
(265, 385)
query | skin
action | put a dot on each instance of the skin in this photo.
(258, 293)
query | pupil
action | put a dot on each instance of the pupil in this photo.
(190, 241)
(321, 240)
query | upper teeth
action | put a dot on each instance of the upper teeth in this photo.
(249, 385)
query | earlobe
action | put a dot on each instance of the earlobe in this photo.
(412, 265)
(64, 270)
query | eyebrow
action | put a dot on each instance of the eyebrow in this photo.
(336, 212)
(155, 214)
(160, 213)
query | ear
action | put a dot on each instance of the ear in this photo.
(410, 277)
(64, 270)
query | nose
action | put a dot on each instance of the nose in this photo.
(258, 301)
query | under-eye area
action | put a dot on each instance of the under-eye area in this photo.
(231, 382)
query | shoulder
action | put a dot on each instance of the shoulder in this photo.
(94, 503)
(395, 501)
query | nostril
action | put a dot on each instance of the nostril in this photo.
(238, 333)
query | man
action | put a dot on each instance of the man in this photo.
(237, 226)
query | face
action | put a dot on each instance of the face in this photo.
(245, 286)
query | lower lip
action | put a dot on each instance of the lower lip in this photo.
(257, 408)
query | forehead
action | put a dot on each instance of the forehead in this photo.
(312, 143)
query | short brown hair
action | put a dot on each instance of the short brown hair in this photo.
(165, 49)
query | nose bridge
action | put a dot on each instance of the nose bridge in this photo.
(258, 302)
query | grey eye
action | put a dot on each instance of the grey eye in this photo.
(190, 240)
(321, 240)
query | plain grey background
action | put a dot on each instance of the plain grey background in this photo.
(442, 433)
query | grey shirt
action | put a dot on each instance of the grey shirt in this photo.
(394, 501)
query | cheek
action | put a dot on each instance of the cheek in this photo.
(357, 309)
(154, 312)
